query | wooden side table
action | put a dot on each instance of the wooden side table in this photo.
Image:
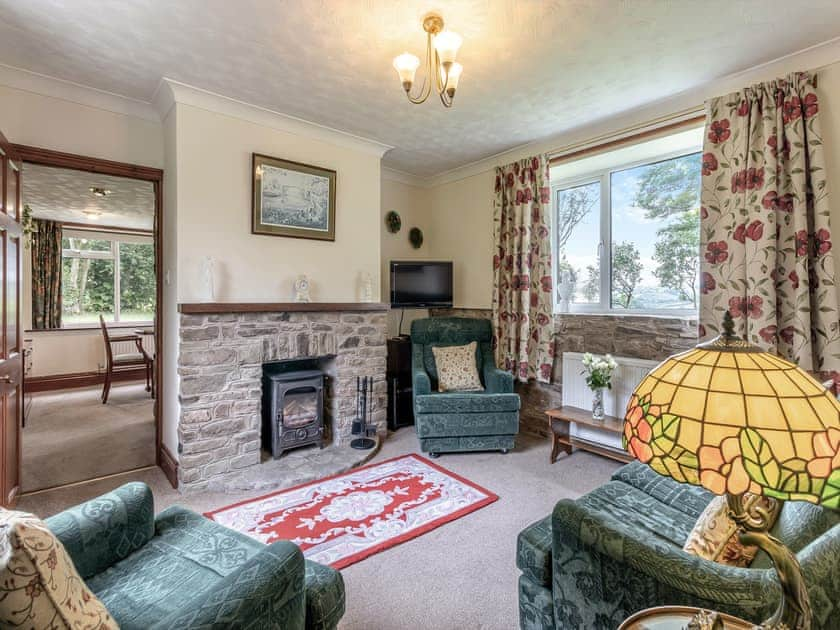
(559, 421)
(678, 618)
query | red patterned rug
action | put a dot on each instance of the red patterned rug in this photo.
(343, 519)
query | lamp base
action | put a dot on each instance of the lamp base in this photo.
(794, 611)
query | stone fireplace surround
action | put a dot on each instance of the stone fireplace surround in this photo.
(222, 351)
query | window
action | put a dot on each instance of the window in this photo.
(644, 201)
(108, 274)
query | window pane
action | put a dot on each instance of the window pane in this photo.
(578, 232)
(137, 282)
(656, 234)
(85, 244)
(87, 289)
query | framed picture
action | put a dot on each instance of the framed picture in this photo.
(292, 199)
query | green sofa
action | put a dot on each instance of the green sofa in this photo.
(461, 421)
(181, 570)
(618, 549)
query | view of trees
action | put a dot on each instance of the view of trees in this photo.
(88, 280)
(668, 193)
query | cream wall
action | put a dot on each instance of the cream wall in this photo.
(214, 214)
(461, 202)
(412, 203)
(34, 119)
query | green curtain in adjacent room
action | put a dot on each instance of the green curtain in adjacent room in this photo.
(46, 274)
(766, 241)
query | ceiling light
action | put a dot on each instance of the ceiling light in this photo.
(92, 214)
(99, 192)
(441, 48)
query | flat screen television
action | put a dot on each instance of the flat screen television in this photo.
(421, 284)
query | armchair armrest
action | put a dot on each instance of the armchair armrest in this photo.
(496, 380)
(103, 531)
(420, 380)
(658, 564)
(267, 591)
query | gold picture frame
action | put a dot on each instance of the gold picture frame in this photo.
(292, 199)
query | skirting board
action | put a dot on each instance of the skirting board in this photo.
(169, 465)
(79, 379)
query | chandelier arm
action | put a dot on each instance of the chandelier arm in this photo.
(444, 98)
(426, 88)
(441, 87)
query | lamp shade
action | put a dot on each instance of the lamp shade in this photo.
(734, 419)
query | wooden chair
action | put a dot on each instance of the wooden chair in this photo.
(150, 365)
(119, 362)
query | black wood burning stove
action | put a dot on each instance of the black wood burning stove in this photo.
(292, 410)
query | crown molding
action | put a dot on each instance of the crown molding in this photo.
(52, 87)
(394, 175)
(812, 58)
(170, 92)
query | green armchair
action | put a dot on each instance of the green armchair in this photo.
(181, 570)
(461, 421)
(600, 558)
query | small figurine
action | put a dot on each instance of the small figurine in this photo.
(365, 287)
(208, 272)
(302, 289)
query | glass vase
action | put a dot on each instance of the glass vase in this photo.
(598, 403)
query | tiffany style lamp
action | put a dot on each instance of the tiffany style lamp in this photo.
(735, 419)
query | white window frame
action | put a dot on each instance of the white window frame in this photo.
(112, 254)
(604, 250)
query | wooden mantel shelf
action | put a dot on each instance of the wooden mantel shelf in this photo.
(198, 308)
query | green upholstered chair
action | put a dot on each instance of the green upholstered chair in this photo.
(181, 570)
(600, 558)
(461, 421)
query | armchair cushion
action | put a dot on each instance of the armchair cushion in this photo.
(474, 402)
(457, 368)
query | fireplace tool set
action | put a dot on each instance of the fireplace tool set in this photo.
(364, 400)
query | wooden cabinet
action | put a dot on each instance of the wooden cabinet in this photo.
(398, 373)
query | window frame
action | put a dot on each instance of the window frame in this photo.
(604, 246)
(114, 255)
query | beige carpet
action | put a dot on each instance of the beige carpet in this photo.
(461, 576)
(71, 436)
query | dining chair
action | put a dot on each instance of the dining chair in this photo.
(119, 362)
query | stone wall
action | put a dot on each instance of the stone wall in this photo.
(220, 368)
(641, 337)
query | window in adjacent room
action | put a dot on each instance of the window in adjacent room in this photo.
(627, 228)
(111, 274)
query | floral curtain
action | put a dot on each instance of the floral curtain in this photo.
(765, 233)
(522, 301)
(46, 274)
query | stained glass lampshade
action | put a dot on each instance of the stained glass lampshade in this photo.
(733, 418)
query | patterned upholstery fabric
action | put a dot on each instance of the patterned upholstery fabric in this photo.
(618, 550)
(533, 552)
(190, 572)
(459, 421)
(457, 368)
(39, 586)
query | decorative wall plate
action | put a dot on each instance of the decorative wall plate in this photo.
(393, 222)
(415, 237)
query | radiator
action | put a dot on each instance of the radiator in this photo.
(130, 347)
(576, 393)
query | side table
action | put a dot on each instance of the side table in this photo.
(559, 422)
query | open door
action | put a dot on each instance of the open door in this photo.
(11, 360)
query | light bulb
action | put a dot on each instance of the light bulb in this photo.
(455, 71)
(406, 66)
(447, 44)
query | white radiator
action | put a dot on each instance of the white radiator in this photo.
(576, 393)
(130, 347)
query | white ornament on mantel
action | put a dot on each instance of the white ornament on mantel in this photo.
(302, 289)
(365, 287)
(208, 277)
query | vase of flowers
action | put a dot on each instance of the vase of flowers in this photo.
(598, 377)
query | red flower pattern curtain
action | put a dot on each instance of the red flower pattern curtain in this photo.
(46, 274)
(522, 302)
(765, 233)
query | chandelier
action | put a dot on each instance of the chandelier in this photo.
(442, 72)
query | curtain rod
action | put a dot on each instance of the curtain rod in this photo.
(86, 227)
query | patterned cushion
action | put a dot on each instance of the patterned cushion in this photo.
(533, 552)
(715, 535)
(39, 586)
(691, 500)
(456, 368)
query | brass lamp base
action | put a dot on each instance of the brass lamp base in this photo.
(794, 611)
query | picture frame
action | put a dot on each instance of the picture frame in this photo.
(292, 199)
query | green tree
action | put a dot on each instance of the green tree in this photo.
(573, 204)
(626, 272)
(592, 287)
(670, 190)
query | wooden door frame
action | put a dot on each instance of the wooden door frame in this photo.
(47, 157)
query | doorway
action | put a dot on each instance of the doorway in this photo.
(92, 316)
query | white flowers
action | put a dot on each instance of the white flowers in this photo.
(598, 370)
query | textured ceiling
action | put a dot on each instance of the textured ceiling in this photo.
(532, 68)
(62, 194)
